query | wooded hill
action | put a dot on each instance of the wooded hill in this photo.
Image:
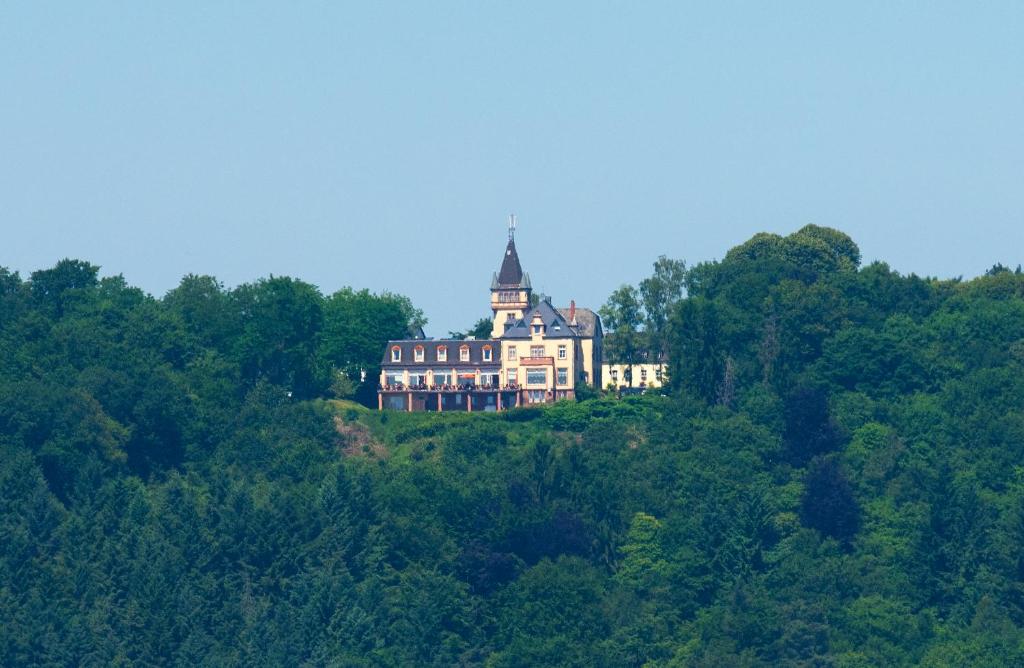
(833, 478)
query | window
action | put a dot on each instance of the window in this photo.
(643, 374)
(511, 376)
(396, 378)
(396, 354)
(615, 374)
(464, 353)
(417, 353)
(535, 396)
(487, 353)
(442, 378)
(442, 353)
(536, 351)
(657, 373)
(562, 353)
(563, 376)
(511, 352)
(536, 376)
(537, 329)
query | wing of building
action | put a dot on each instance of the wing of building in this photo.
(536, 354)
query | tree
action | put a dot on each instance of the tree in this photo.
(659, 294)
(810, 429)
(206, 309)
(838, 245)
(643, 563)
(11, 291)
(481, 330)
(281, 321)
(57, 288)
(622, 315)
(828, 503)
(696, 361)
(357, 326)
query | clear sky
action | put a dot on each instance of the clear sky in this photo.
(382, 145)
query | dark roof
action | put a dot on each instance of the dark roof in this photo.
(525, 283)
(476, 355)
(511, 272)
(555, 325)
(587, 322)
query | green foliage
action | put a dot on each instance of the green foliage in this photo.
(828, 504)
(622, 316)
(480, 330)
(168, 495)
(697, 360)
(659, 293)
(643, 565)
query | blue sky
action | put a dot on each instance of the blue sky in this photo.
(382, 145)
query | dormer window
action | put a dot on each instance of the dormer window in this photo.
(396, 354)
(442, 353)
(537, 329)
(464, 353)
(417, 353)
(487, 353)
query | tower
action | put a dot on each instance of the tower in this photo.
(510, 287)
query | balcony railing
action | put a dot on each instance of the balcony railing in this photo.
(447, 388)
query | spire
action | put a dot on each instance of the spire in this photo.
(511, 272)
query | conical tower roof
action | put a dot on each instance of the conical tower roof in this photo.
(511, 272)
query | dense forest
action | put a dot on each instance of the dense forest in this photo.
(834, 477)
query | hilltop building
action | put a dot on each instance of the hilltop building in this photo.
(536, 354)
(648, 372)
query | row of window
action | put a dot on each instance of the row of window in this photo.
(643, 373)
(533, 377)
(538, 351)
(419, 354)
(540, 376)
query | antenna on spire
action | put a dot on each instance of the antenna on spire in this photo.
(511, 226)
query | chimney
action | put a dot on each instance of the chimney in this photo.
(572, 312)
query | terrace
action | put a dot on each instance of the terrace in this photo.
(466, 397)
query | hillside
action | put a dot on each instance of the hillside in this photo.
(835, 477)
